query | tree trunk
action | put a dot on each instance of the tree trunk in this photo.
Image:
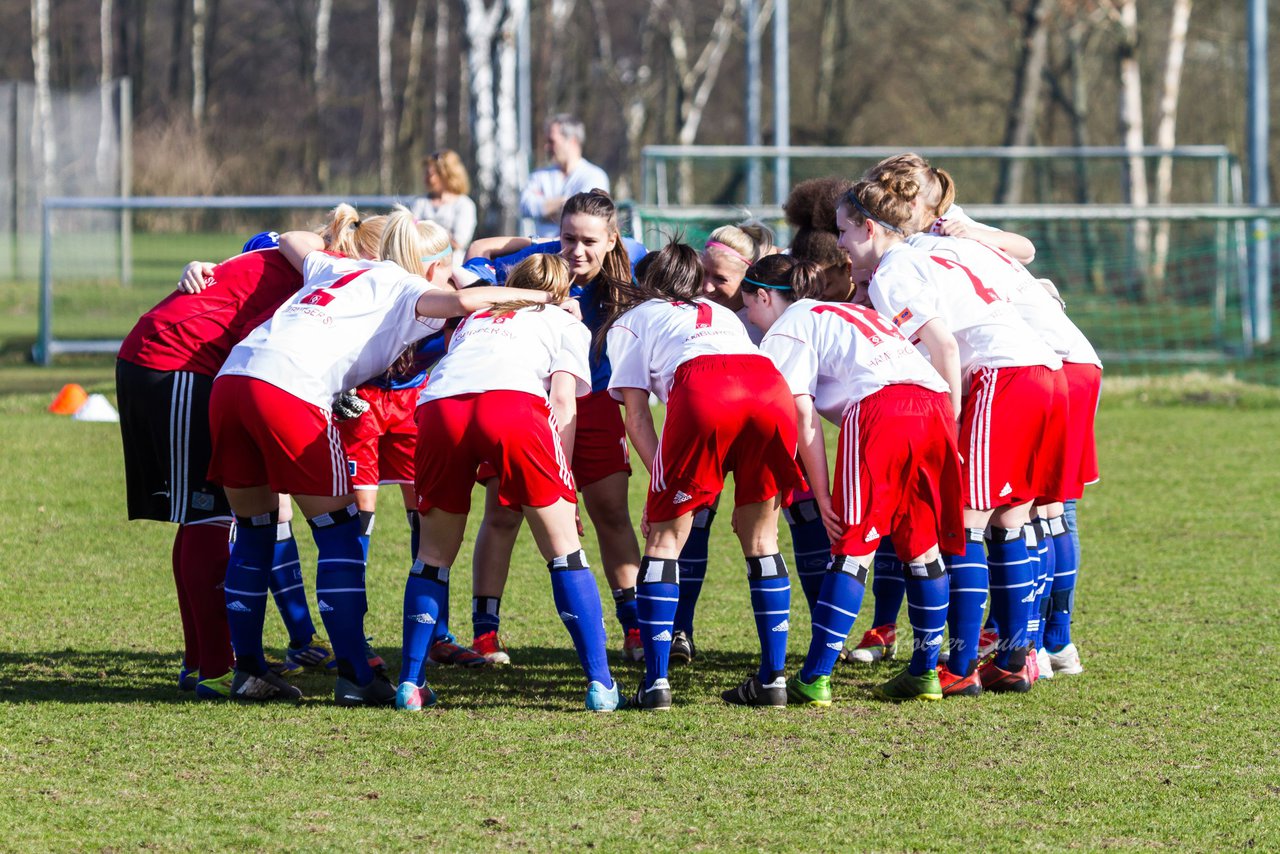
(386, 99)
(199, 24)
(558, 14)
(175, 49)
(508, 130)
(481, 27)
(440, 105)
(826, 65)
(699, 80)
(409, 109)
(320, 91)
(1166, 133)
(42, 138)
(106, 128)
(1024, 107)
(1131, 131)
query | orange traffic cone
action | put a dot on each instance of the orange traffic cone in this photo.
(70, 399)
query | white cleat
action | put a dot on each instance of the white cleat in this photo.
(1042, 662)
(1066, 661)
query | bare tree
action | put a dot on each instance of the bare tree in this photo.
(199, 24)
(320, 92)
(1025, 104)
(1166, 132)
(482, 22)
(633, 83)
(696, 81)
(386, 99)
(409, 110)
(440, 105)
(510, 177)
(1125, 14)
(106, 135)
(42, 138)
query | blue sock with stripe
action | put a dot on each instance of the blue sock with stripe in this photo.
(340, 593)
(1013, 586)
(771, 604)
(424, 589)
(287, 588)
(839, 600)
(624, 608)
(248, 579)
(693, 568)
(484, 614)
(657, 595)
(928, 590)
(969, 586)
(578, 600)
(1044, 583)
(1031, 535)
(1057, 633)
(811, 547)
(888, 585)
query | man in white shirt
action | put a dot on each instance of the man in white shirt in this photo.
(569, 173)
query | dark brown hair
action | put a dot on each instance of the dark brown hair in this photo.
(793, 278)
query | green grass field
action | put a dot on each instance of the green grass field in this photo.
(1169, 738)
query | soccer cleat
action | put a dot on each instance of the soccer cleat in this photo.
(988, 641)
(904, 686)
(753, 692)
(656, 698)
(1065, 661)
(632, 646)
(448, 652)
(414, 698)
(955, 685)
(216, 688)
(999, 680)
(682, 649)
(188, 679)
(602, 699)
(371, 655)
(877, 643)
(492, 648)
(315, 653)
(815, 693)
(379, 692)
(261, 689)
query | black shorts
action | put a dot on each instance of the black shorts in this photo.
(164, 422)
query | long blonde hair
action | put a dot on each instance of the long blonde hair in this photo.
(414, 244)
(542, 272)
(347, 234)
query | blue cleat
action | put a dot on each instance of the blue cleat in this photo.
(412, 698)
(602, 699)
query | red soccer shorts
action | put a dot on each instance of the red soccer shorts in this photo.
(1051, 469)
(264, 435)
(725, 413)
(599, 442)
(1084, 385)
(379, 444)
(898, 474)
(1004, 422)
(515, 432)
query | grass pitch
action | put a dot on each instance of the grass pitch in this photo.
(1168, 739)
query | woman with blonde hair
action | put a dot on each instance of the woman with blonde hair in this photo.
(273, 432)
(506, 395)
(446, 202)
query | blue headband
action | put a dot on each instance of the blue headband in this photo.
(448, 250)
(866, 213)
(767, 285)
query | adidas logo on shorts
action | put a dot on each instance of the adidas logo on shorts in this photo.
(663, 635)
(872, 535)
(1008, 488)
(238, 606)
(784, 626)
(425, 619)
(681, 498)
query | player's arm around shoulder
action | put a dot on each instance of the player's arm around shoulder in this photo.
(295, 246)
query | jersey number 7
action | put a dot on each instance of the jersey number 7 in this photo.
(984, 293)
(865, 320)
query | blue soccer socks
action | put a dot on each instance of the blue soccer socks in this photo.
(248, 579)
(887, 585)
(771, 604)
(693, 568)
(625, 608)
(1057, 632)
(928, 591)
(424, 590)
(810, 545)
(287, 588)
(1013, 593)
(484, 614)
(839, 600)
(657, 595)
(578, 601)
(969, 587)
(340, 591)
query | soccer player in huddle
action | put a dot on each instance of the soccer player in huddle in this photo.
(273, 432)
(728, 409)
(1009, 428)
(897, 471)
(506, 395)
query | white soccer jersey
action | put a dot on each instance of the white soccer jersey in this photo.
(913, 285)
(1041, 312)
(839, 353)
(349, 323)
(650, 341)
(516, 351)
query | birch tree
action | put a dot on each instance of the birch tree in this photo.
(440, 91)
(42, 139)
(386, 99)
(199, 27)
(106, 128)
(1125, 15)
(1166, 132)
(482, 22)
(511, 174)
(409, 111)
(320, 91)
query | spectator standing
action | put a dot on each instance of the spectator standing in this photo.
(446, 202)
(569, 173)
